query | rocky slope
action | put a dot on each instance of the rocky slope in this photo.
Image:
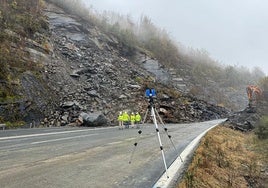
(83, 69)
(247, 119)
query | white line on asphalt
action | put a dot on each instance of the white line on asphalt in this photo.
(113, 143)
(129, 139)
(46, 141)
(45, 134)
(59, 139)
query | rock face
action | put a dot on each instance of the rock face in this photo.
(86, 70)
(87, 77)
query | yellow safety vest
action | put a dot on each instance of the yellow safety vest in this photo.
(138, 118)
(132, 118)
(120, 118)
(125, 117)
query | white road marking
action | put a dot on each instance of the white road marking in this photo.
(129, 139)
(45, 141)
(113, 143)
(59, 139)
(45, 134)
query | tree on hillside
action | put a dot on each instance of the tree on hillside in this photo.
(264, 83)
(257, 74)
(76, 7)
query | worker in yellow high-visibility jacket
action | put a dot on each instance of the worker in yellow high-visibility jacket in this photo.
(126, 119)
(120, 120)
(132, 119)
(137, 119)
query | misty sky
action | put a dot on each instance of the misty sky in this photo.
(233, 32)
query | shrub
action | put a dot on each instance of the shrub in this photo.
(262, 128)
(14, 125)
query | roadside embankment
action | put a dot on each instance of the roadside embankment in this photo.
(228, 158)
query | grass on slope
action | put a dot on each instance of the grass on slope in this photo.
(228, 158)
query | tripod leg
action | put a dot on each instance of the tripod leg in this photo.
(145, 116)
(159, 139)
(166, 131)
(160, 119)
(135, 146)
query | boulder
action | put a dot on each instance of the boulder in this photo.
(94, 119)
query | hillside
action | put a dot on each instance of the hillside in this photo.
(56, 64)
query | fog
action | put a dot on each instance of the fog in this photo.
(233, 32)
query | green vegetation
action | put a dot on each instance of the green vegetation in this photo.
(19, 20)
(23, 17)
(14, 125)
(264, 83)
(262, 128)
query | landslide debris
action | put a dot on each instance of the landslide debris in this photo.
(82, 69)
(247, 119)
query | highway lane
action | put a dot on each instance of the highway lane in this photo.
(86, 157)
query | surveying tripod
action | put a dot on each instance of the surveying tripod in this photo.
(150, 93)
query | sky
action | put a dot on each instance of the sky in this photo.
(233, 32)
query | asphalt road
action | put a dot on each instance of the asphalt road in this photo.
(90, 158)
